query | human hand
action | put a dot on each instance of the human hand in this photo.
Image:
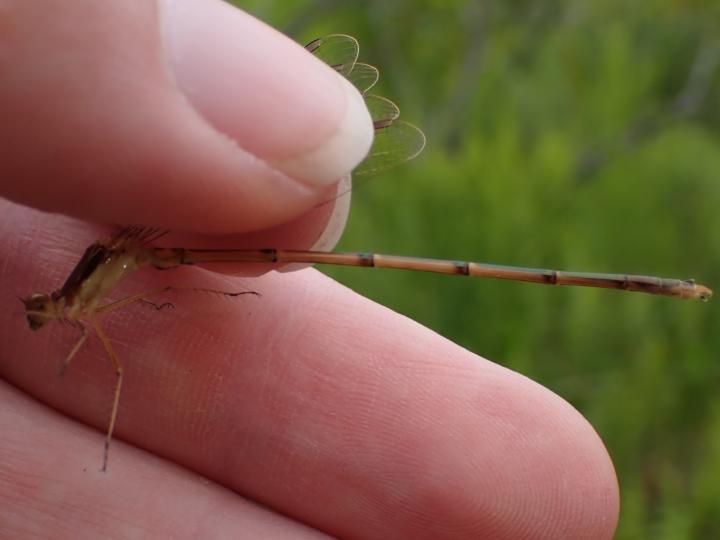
(333, 413)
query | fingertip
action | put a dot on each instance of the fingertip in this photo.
(544, 464)
(338, 154)
(265, 92)
(577, 482)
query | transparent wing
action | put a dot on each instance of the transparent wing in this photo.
(395, 144)
(382, 111)
(395, 141)
(364, 77)
(338, 51)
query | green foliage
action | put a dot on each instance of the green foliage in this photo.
(572, 135)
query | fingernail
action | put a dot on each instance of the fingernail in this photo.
(342, 151)
(268, 94)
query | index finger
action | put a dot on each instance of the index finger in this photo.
(324, 406)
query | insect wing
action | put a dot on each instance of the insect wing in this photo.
(395, 141)
(382, 111)
(395, 144)
(363, 77)
(338, 51)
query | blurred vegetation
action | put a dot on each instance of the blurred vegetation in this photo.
(570, 135)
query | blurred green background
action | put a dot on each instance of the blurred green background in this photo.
(570, 135)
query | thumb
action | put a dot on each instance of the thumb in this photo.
(184, 115)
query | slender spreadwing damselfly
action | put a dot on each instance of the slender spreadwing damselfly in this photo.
(82, 300)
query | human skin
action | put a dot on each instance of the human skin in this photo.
(304, 412)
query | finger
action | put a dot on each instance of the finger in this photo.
(49, 490)
(327, 408)
(183, 115)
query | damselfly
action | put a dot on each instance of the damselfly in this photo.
(108, 261)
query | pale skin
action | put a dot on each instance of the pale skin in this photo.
(336, 415)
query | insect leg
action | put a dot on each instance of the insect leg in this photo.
(75, 349)
(118, 386)
(143, 296)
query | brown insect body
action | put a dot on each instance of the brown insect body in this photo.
(102, 267)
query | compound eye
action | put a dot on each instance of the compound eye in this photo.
(36, 306)
(36, 302)
(35, 322)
